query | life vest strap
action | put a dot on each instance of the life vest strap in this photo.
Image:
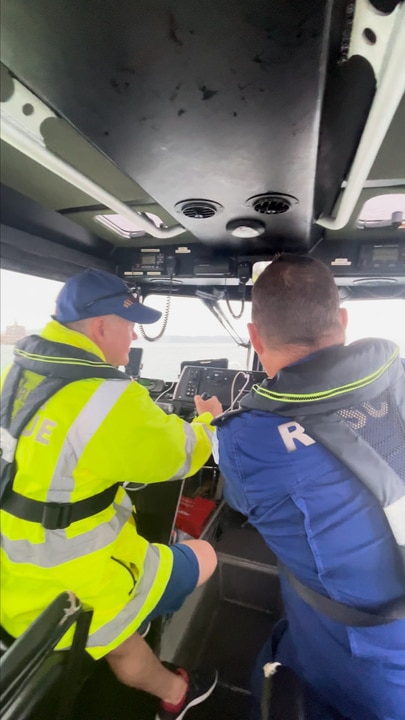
(342, 613)
(57, 516)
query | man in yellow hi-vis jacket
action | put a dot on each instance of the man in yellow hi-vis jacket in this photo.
(67, 522)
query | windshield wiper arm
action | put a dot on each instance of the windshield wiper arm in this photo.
(212, 304)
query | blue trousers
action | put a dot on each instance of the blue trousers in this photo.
(289, 695)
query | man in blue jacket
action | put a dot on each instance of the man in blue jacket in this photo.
(315, 459)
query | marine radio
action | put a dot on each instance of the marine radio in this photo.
(228, 385)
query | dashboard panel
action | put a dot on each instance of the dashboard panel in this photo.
(227, 384)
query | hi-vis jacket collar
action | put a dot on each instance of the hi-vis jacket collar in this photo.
(325, 380)
(61, 359)
(56, 332)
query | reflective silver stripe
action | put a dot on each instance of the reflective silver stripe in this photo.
(111, 630)
(80, 432)
(395, 514)
(59, 549)
(209, 433)
(8, 444)
(190, 444)
(215, 446)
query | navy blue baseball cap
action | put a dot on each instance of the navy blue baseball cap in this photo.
(95, 292)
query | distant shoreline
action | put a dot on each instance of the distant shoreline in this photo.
(220, 339)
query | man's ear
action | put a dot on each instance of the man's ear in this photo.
(96, 329)
(255, 338)
(344, 317)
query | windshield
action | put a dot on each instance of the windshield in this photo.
(192, 333)
(376, 318)
(27, 302)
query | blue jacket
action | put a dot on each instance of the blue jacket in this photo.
(330, 531)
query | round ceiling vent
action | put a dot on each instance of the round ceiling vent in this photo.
(199, 209)
(272, 203)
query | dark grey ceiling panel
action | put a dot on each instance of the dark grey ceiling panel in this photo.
(217, 100)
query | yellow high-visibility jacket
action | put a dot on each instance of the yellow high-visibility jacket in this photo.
(89, 435)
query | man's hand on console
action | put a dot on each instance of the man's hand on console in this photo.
(210, 404)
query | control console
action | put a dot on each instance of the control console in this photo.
(226, 384)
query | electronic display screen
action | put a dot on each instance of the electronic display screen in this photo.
(385, 253)
(149, 259)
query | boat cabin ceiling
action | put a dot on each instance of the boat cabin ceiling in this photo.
(179, 140)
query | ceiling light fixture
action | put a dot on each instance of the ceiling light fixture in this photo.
(246, 228)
